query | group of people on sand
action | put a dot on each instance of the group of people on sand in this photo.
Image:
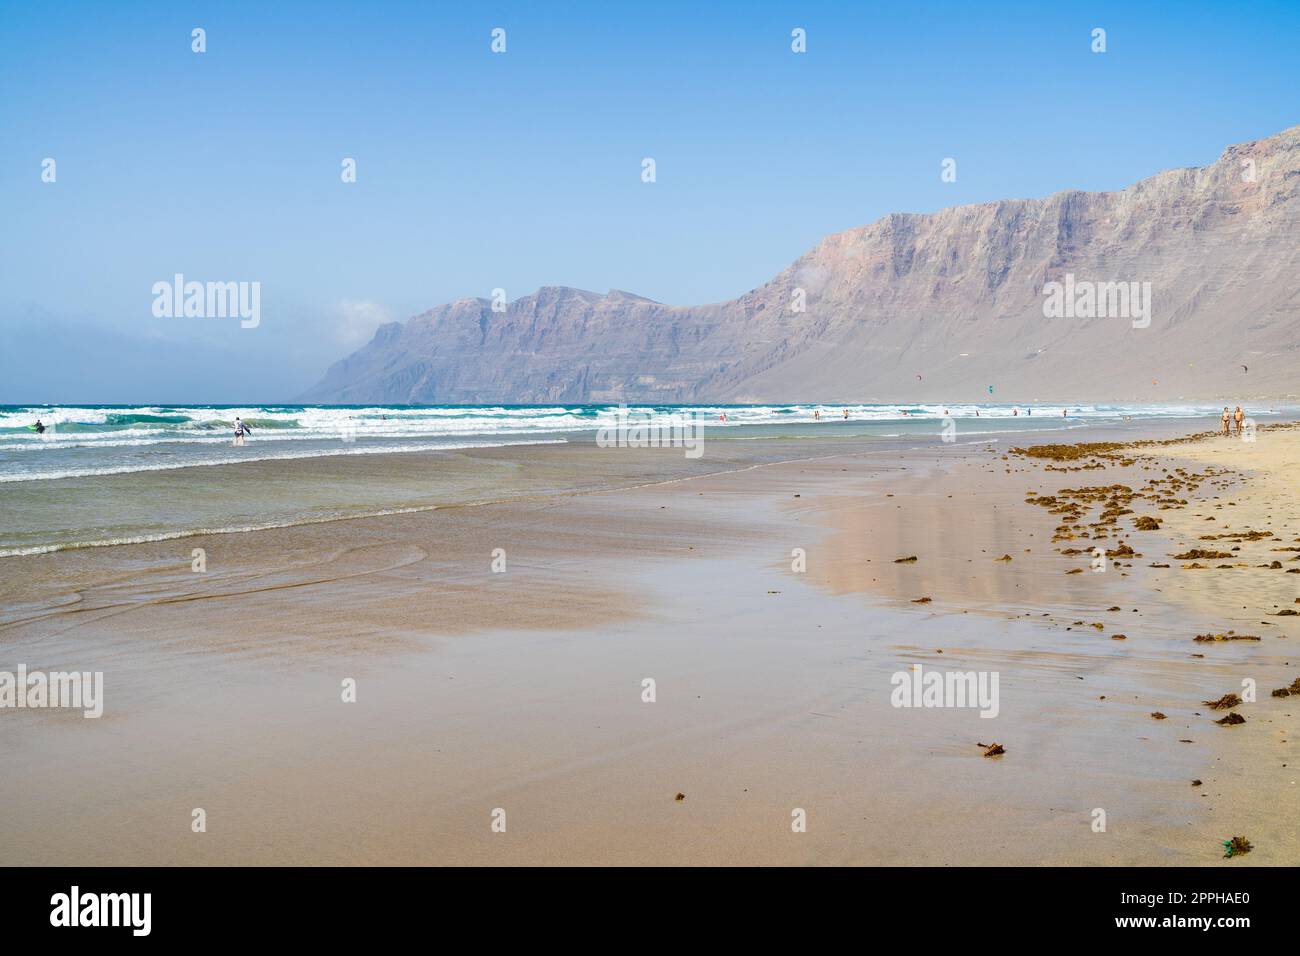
(1230, 418)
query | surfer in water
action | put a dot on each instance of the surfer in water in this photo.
(241, 429)
(40, 429)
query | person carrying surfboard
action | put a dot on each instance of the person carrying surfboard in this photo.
(241, 429)
(40, 429)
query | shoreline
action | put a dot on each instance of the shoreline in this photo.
(523, 689)
(158, 502)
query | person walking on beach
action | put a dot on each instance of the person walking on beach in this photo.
(1237, 417)
(1227, 419)
(241, 430)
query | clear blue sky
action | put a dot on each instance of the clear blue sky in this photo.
(478, 170)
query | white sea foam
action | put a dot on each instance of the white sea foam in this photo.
(196, 532)
(127, 469)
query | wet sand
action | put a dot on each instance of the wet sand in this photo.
(522, 690)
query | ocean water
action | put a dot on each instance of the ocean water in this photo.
(103, 440)
(102, 475)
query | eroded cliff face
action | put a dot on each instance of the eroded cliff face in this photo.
(916, 307)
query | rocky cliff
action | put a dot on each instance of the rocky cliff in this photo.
(917, 307)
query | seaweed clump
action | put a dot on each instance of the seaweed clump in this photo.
(1226, 702)
(1068, 452)
(1293, 690)
(1237, 846)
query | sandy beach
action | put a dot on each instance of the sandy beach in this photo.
(770, 599)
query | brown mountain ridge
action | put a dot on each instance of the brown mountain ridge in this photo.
(933, 307)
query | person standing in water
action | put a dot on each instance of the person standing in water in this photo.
(241, 430)
(40, 429)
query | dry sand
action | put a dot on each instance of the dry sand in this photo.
(523, 690)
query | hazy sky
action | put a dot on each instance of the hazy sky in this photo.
(478, 170)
